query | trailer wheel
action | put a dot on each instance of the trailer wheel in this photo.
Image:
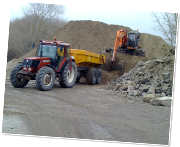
(17, 82)
(99, 76)
(45, 79)
(68, 78)
(137, 52)
(91, 76)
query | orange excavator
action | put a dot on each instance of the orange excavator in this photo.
(127, 43)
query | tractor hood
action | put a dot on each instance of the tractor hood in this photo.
(35, 61)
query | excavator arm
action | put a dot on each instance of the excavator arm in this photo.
(121, 41)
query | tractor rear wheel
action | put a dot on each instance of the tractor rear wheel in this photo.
(17, 82)
(91, 76)
(68, 77)
(137, 52)
(99, 76)
(45, 79)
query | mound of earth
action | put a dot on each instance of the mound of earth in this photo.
(154, 46)
(93, 35)
(88, 35)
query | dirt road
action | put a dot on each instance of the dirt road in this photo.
(85, 112)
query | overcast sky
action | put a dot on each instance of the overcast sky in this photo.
(111, 13)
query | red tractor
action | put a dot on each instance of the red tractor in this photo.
(52, 61)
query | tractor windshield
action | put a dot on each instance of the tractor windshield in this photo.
(47, 51)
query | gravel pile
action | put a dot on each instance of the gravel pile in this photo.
(147, 80)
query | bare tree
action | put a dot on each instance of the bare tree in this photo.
(166, 23)
(41, 18)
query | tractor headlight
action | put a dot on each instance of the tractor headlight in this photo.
(30, 69)
(24, 68)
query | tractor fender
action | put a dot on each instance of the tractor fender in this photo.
(50, 66)
(64, 65)
(62, 68)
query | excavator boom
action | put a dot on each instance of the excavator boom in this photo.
(121, 41)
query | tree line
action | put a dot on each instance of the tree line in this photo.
(39, 21)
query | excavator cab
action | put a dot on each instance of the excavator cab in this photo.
(133, 40)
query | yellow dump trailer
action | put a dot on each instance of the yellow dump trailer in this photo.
(88, 65)
(85, 58)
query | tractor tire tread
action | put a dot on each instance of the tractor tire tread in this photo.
(14, 80)
(40, 78)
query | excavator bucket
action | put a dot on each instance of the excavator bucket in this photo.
(120, 66)
(112, 66)
(117, 66)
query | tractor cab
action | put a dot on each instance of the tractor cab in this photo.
(55, 50)
(133, 40)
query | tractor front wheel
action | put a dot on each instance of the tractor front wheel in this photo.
(17, 82)
(45, 79)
